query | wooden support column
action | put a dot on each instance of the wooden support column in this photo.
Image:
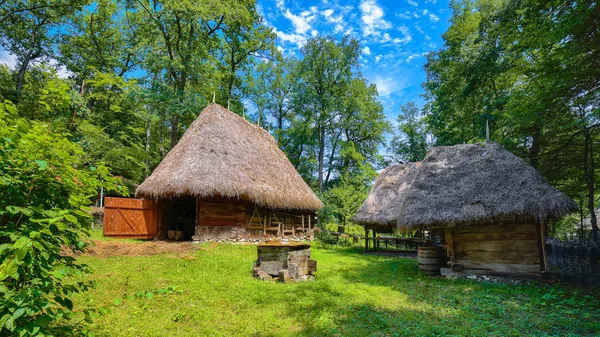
(541, 240)
(375, 243)
(366, 238)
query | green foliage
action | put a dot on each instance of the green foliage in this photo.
(43, 215)
(410, 142)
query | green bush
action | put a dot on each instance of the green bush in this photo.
(44, 191)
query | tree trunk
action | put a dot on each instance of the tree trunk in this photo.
(180, 90)
(534, 151)
(331, 156)
(588, 172)
(148, 135)
(174, 126)
(21, 75)
(321, 154)
(162, 133)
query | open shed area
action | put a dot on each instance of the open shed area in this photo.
(209, 291)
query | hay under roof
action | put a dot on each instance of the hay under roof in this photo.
(462, 184)
(222, 154)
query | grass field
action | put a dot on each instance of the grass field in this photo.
(210, 292)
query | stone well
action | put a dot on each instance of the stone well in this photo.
(286, 262)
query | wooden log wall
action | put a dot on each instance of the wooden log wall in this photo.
(244, 219)
(220, 214)
(505, 248)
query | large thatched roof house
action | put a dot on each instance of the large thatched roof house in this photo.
(489, 202)
(227, 178)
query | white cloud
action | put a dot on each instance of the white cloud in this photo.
(314, 33)
(377, 58)
(327, 13)
(413, 56)
(372, 17)
(406, 15)
(366, 50)
(413, 3)
(406, 36)
(61, 71)
(301, 23)
(434, 17)
(8, 59)
(386, 85)
(280, 4)
(11, 61)
(386, 37)
(296, 39)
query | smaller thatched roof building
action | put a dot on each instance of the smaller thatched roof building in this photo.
(462, 184)
(224, 159)
(489, 203)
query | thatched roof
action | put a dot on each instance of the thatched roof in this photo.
(462, 184)
(222, 154)
(389, 191)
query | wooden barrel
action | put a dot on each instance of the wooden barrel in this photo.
(431, 259)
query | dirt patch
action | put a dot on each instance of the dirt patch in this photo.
(102, 248)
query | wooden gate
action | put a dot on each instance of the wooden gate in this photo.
(130, 218)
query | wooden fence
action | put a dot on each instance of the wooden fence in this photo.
(574, 261)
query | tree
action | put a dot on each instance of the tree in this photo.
(270, 88)
(326, 72)
(410, 142)
(42, 211)
(29, 31)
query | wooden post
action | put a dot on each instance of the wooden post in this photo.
(303, 223)
(541, 239)
(366, 238)
(309, 216)
(374, 240)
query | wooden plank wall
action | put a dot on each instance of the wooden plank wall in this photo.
(243, 214)
(220, 214)
(505, 248)
(131, 218)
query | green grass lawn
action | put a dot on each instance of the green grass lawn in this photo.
(214, 294)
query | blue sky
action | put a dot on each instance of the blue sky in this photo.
(395, 36)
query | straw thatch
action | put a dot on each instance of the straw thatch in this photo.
(222, 154)
(389, 191)
(463, 184)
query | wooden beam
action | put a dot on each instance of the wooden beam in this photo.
(541, 239)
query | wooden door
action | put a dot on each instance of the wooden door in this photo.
(130, 218)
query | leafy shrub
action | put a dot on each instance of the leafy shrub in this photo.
(44, 193)
(325, 238)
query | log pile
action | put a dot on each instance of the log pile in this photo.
(284, 262)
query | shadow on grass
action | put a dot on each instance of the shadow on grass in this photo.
(461, 307)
